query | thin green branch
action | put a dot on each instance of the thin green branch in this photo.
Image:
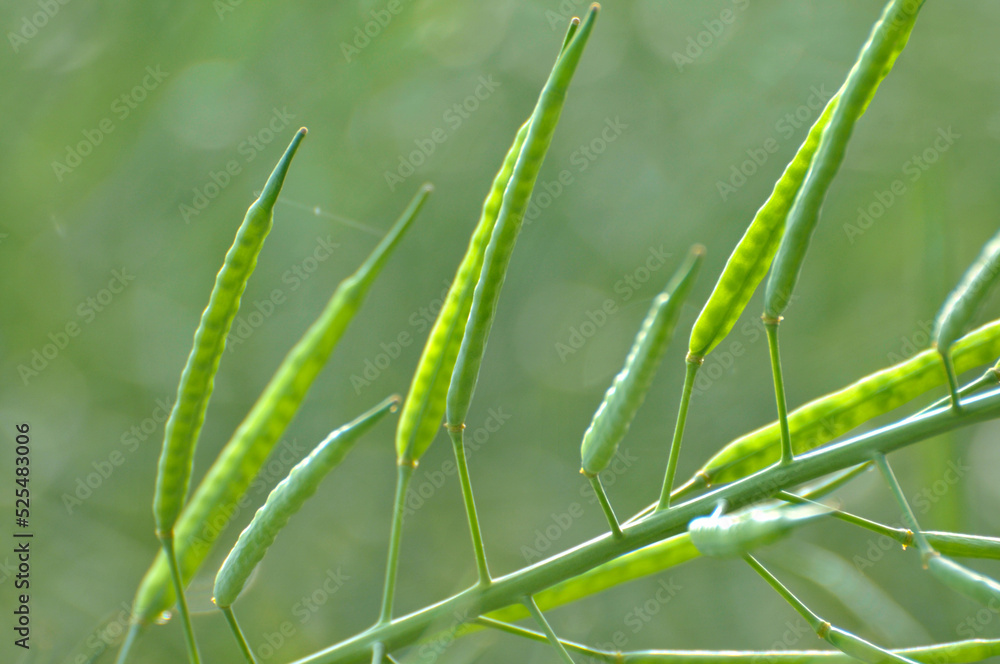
(532, 635)
(133, 634)
(693, 364)
(167, 541)
(602, 497)
(547, 628)
(458, 443)
(897, 492)
(238, 633)
(403, 477)
(771, 325)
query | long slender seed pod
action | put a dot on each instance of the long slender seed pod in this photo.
(733, 535)
(956, 652)
(860, 649)
(752, 256)
(961, 579)
(962, 303)
(964, 546)
(542, 126)
(423, 409)
(198, 378)
(627, 392)
(824, 419)
(229, 477)
(420, 417)
(888, 38)
(288, 498)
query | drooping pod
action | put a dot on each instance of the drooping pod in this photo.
(198, 377)
(286, 499)
(541, 128)
(628, 390)
(961, 579)
(828, 417)
(229, 477)
(962, 303)
(734, 535)
(888, 38)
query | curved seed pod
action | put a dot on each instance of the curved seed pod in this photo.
(887, 40)
(286, 499)
(860, 649)
(420, 418)
(961, 579)
(627, 392)
(834, 414)
(728, 536)
(214, 502)
(423, 409)
(963, 302)
(198, 378)
(749, 261)
(542, 126)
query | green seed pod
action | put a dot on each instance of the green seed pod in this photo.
(198, 378)
(824, 419)
(542, 126)
(888, 38)
(734, 535)
(420, 419)
(961, 579)
(962, 303)
(961, 545)
(748, 263)
(286, 499)
(248, 449)
(627, 392)
(860, 649)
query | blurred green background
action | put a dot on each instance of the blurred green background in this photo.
(119, 115)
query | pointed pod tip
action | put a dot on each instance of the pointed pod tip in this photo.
(394, 402)
(698, 250)
(594, 8)
(427, 188)
(575, 20)
(303, 131)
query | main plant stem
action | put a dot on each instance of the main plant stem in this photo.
(693, 364)
(771, 325)
(458, 443)
(403, 475)
(505, 591)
